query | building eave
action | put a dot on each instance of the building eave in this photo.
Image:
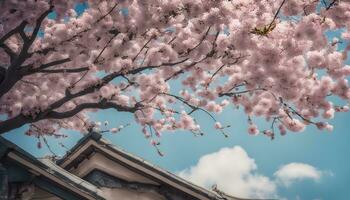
(48, 172)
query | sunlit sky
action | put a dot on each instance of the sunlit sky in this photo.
(326, 152)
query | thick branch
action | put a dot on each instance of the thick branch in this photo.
(9, 52)
(13, 123)
(76, 70)
(28, 69)
(38, 25)
(2, 73)
(21, 120)
(99, 105)
(53, 63)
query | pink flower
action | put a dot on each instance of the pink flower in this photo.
(294, 125)
(224, 103)
(342, 108)
(321, 125)
(106, 91)
(345, 35)
(282, 129)
(329, 128)
(292, 7)
(269, 134)
(253, 129)
(158, 133)
(154, 142)
(187, 121)
(315, 58)
(329, 114)
(115, 130)
(218, 125)
(145, 132)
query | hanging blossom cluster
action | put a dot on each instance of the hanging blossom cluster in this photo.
(270, 58)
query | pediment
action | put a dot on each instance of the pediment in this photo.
(94, 154)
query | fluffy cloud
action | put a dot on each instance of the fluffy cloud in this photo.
(287, 174)
(233, 171)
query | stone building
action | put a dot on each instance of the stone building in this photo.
(93, 169)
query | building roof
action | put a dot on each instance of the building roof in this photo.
(92, 143)
(77, 155)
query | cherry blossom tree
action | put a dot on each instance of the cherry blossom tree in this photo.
(269, 57)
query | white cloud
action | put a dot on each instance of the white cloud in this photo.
(292, 172)
(236, 174)
(233, 171)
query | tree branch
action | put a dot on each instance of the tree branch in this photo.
(2, 73)
(330, 5)
(216, 72)
(9, 52)
(276, 14)
(14, 31)
(99, 105)
(140, 69)
(27, 70)
(12, 75)
(104, 48)
(230, 94)
(194, 108)
(21, 120)
(211, 53)
(75, 70)
(109, 12)
(143, 47)
(38, 25)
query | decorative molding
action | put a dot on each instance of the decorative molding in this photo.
(102, 179)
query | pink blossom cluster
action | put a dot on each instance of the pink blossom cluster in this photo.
(264, 56)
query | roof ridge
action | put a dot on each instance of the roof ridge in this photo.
(91, 135)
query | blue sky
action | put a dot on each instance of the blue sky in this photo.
(325, 151)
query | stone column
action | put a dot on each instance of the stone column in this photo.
(3, 183)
